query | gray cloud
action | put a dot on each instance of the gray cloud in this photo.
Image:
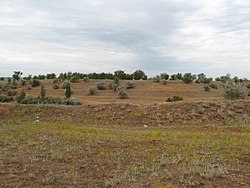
(106, 35)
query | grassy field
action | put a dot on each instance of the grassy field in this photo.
(72, 155)
(145, 92)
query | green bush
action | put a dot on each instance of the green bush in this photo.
(56, 81)
(4, 98)
(11, 92)
(35, 83)
(49, 100)
(207, 88)
(119, 87)
(100, 86)
(65, 84)
(130, 85)
(234, 91)
(86, 79)
(213, 85)
(56, 86)
(122, 94)
(174, 98)
(20, 96)
(74, 79)
(92, 91)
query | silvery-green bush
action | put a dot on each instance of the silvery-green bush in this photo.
(122, 94)
(234, 91)
(92, 91)
(101, 86)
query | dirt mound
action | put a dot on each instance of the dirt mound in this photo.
(127, 114)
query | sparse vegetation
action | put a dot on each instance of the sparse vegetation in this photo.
(49, 100)
(68, 91)
(174, 99)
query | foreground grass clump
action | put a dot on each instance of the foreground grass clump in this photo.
(49, 100)
(68, 155)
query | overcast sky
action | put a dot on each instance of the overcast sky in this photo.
(42, 36)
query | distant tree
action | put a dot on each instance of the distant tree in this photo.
(120, 74)
(187, 78)
(43, 92)
(2, 78)
(68, 91)
(9, 80)
(179, 76)
(51, 76)
(173, 77)
(139, 74)
(17, 75)
(164, 76)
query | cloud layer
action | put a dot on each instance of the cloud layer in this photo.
(210, 36)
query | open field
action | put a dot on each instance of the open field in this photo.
(145, 92)
(124, 146)
(72, 155)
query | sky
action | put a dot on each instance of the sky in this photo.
(44, 36)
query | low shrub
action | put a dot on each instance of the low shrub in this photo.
(207, 88)
(101, 86)
(56, 86)
(11, 92)
(234, 91)
(248, 86)
(20, 96)
(35, 83)
(65, 84)
(92, 91)
(4, 98)
(74, 79)
(122, 94)
(119, 87)
(56, 81)
(174, 98)
(49, 100)
(86, 79)
(130, 85)
(213, 85)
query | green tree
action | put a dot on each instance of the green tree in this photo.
(116, 80)
(68, 91)
(187, 78)
(17, 75)
(164, 76)
(43, 92)
(139, 74)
